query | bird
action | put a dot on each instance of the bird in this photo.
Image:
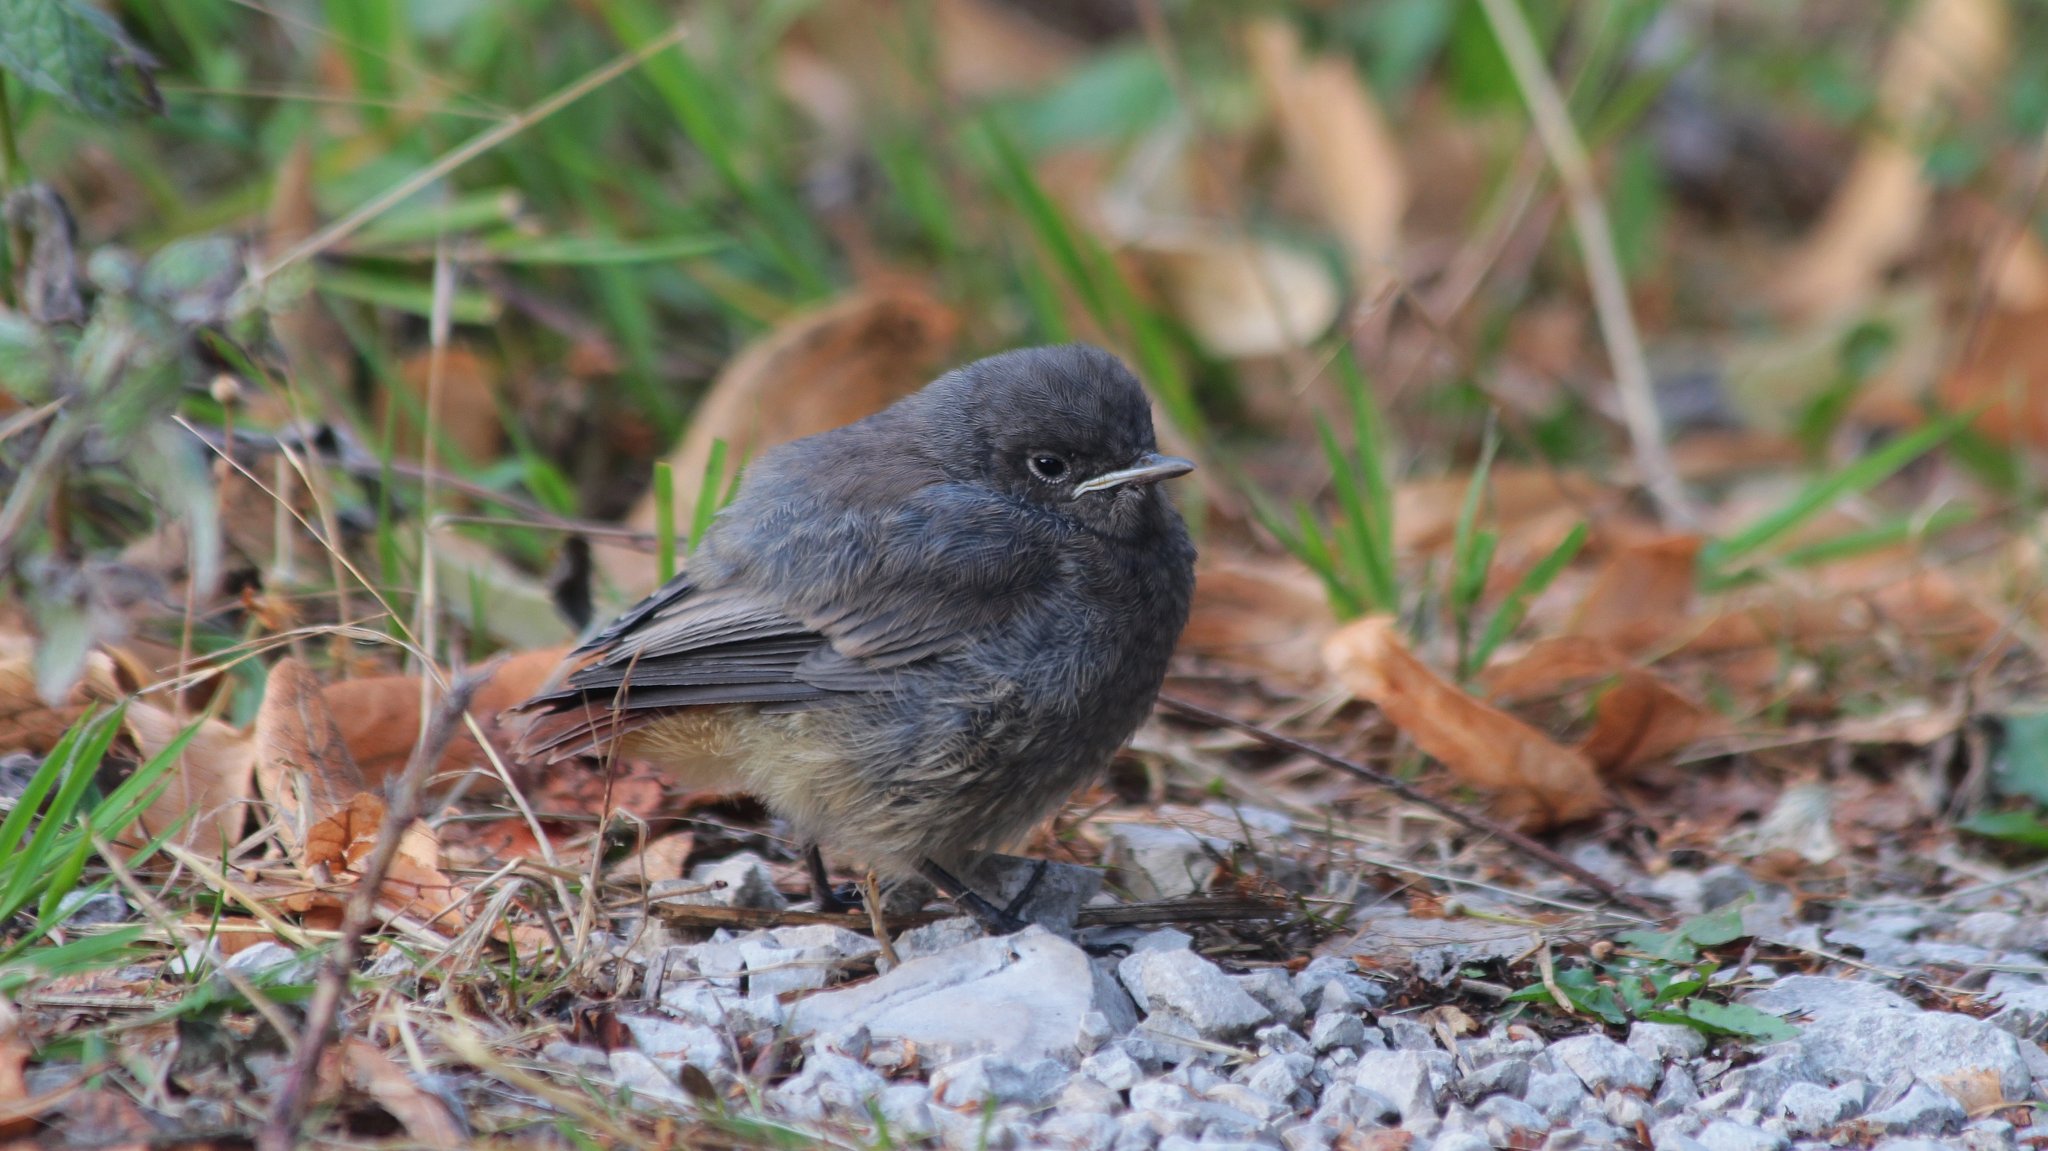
(914, 636)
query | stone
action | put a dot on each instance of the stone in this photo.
(1463, 1141)
(1408, 1035)
(1677, 1092)
(637, 1073)
(722, 1008)
(1182, 986)
(1818, 996)
(831, 1085)
(1058, 892)
(979, 1078)
(1726, 1135)
(934, 939)
(1164, 939)
(2023, 1011)
(1413, 1081)
(739, 880)
(1555, 1093)
(1437, 949)
(1278, 1077)
(906, 1108)
(1274, 990)
(274, 963)
(1921, 1110)
(1763, 1082)
(1969, 1059)
(1085, 1131)
(95, 909)
(1810, 1109)
(1349, 994)
(1501, 1077)
(1281, 1039)
(1604, 1065)
(1513, 1116)
(1021, 997)
(1243, 1099)
(1160, 862)
(1082, 1094)
(1628, 1112)
(1308, 1136)
(1989, 1135)
(1113, 1067)
(1335, 1030)
(1664, 1042)
(1346, 1104)
(671, 1044)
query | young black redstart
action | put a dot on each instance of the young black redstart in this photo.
(913, 636)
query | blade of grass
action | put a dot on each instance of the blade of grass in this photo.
(1858, 477)
(1515, 606)
(708, 502)
(665, 520)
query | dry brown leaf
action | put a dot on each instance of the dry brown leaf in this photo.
(1643, 593)
(1426, 511)
(1336, 134)
(2006, 374)
(661, 859)
(817, 371)
(1552, 667)
(465, 412)
(208, 787)
(14, 1053)
(1535, 781)
(303, 766)
(379, 716)
(422, 1113)
(107, 1120)
(1265, 613)
(1639, 720)
(1944, 49)
(1240, 298)
(340, 842)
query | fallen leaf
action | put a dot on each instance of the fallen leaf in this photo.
(422, 1113)
(379, 716)
(1261, 612)
(1643, 593)
(1551, 668)
(415, 885)
(661, 859)
(815, 372)
(1337, 136)
(1534, 780)
(14, 1053)
(303, 767)
(1240, 298)
(1426, 511)
(1944, 49)
(1641, 719)
(465, 416)
(2006, 374)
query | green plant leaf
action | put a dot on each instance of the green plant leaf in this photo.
(2021, 827)
(78, 54)
(2023, 768)
(1735, 1019)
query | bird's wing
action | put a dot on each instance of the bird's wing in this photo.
(836, 607)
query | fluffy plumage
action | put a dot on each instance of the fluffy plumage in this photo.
(915, 635)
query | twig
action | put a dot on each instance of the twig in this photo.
(281, 1129)
(1603, 267)
(872, 889)
(1469, 819)
(1199, 909)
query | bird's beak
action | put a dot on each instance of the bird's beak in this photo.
(1150, 469)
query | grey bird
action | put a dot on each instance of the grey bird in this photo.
(914, 636)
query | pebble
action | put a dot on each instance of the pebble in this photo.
(1186, 988)
(1726, 1135)
(1604, 1065)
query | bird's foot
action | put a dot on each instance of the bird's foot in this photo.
(1015, 908)
(994, 920)
(831, 899)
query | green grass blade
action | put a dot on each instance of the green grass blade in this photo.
(1515, 606)
(1858, 477)
(665, 520)
(707, 492)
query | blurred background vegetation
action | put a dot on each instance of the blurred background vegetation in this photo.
(1326, 233)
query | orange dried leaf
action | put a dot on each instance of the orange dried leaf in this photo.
(1642, 719)
(1534, 780)
(1643, 593)
(1263, 613)
(422, 1113)
(303, 765)
(1552, 667)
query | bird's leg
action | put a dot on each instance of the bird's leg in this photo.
(1015, 908)
(993, 919)
(829, 900)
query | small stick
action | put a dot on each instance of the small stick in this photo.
(281, 1129)
(873, 891)
(1469, 819)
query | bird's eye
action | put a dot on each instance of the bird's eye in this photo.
(1048, 467)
